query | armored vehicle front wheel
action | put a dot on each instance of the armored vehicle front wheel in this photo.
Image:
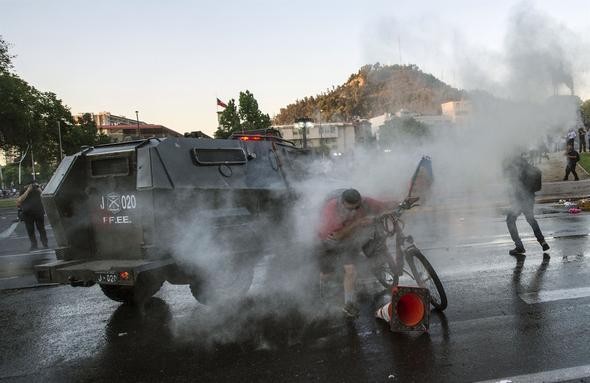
(146, 286)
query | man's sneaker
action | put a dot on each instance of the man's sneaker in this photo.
(33, 248)
(351, 310)
(545, 246)
(517, 251)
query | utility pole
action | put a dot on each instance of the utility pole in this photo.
(137, 119)
(399, 47)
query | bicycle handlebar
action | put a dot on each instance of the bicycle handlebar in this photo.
(389, 220)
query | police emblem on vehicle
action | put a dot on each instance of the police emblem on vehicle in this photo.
(113, 203)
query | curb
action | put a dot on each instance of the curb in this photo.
(29, 286)
(549, 199)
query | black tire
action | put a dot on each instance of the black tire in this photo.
(209, 289)
(147, 285)
(421, 267)
(119, 293)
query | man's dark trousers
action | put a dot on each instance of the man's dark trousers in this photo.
(582, 143)
(570, 168)
(523, 205)
(32, 220)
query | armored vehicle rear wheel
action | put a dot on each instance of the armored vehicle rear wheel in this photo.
(119, 293)
(210, 290)
(146, 286)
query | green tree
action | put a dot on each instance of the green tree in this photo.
(252, 118)
(5, 57)
(585, 111)
(403, 131)
(229, 121)
(247, 116)
(29, 120)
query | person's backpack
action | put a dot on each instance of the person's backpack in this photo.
(531, 178)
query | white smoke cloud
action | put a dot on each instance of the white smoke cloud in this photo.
(512, 110)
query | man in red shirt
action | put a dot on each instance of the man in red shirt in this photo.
(347, 227)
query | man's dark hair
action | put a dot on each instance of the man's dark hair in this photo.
(351, 196)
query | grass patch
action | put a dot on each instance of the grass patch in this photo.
(8, 202)
(585, 161)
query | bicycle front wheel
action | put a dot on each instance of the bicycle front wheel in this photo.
(425, 276)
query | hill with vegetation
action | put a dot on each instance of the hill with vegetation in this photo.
(372, 91)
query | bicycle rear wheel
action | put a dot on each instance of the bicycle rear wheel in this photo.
(425, 276)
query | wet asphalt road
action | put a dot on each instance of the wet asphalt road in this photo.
(506, 317)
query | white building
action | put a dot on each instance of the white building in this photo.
(457, 111)
(338, 137)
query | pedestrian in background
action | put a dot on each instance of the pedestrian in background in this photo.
(582, 139)
(570, 137)
(33, 214)
(524, 180)
(572, 160)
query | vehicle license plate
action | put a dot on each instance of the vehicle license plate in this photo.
(107, 277)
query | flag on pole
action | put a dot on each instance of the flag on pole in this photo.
(221, 103)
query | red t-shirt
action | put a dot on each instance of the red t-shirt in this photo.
(334, 218)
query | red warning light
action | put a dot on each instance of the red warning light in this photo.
(124, 275)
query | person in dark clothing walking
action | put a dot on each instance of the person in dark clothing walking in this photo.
(582, 138)
(522, 201)
(572, 160)
(33, 214)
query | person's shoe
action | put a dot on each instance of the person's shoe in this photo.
(545, 246)
(33, 248)
(517, 251)
(45, 246)
(351, 310)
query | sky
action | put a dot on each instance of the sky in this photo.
(170, 60)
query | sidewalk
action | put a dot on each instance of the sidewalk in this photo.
(554, 188)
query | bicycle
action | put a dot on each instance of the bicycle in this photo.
(392, 267)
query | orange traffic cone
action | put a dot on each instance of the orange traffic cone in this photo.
(385, 312)
(408, 309)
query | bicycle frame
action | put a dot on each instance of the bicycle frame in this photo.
(392, 225)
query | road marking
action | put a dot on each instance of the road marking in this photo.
(6, 233)
(555, 295)
(560, 375)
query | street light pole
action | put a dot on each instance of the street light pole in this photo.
(61, 152)
(304, 123)
(137, 119)
(33, 164)
(19, 166)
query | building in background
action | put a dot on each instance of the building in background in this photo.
(106, 118)
(119, 133)
(336, 138)
(8, 157)
(121, 128)
(457, 111)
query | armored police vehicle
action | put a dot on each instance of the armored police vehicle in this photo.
(129, 216)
